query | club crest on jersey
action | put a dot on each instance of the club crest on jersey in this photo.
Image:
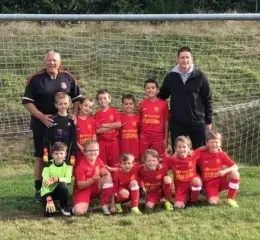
(158, 176)
(111, 117)
(64, 85)
(156, 109)
(59, 131)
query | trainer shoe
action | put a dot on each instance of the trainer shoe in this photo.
(142, 192)
(168, 206)
(65, 212)
(232, 203)
(119, 208)
(38, 196)
(136, 211)
(105, 210)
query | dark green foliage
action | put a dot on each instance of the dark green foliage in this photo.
(125, 6)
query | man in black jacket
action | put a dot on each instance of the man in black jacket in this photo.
(191, 100)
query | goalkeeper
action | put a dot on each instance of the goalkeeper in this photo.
(62, 130)
(56, 176)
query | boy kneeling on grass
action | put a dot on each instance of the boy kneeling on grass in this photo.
(92, 180)
(56, 176)
(219, 171)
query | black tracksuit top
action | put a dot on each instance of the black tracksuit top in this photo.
(191, 102)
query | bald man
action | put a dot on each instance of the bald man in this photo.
(38, 99)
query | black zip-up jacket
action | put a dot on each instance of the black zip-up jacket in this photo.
(190, 102)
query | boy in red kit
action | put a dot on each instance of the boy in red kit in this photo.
(130, 126)
(154, 115)
(86, 127)
(125, 188)
(155, 179)
(108, 124)
(183, 164)
(91, 180)
(219, 172)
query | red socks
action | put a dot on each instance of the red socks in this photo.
(233, 187)
(195, 193)
(106, 194)
(167, 189)
(134, 196)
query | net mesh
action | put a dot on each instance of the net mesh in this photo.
(120, 56)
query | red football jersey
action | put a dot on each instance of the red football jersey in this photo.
(211, 163)
(153, 180)
(184, 169)
(86, 129)
(121, 179)
(109, 116)
(153, 116)
(85, 170)
(129, 134)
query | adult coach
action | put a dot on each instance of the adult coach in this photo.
(39, 101)
(191, 99)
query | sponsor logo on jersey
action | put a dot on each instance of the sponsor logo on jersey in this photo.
(64, 85)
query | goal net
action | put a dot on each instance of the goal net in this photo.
(120, 56)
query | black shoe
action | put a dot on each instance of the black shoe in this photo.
(38, 196)
(142, 192)
(65, 212)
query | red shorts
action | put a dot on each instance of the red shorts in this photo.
(182, 191)
(86, 194)
(109, 152)
(146, 143)
(154, 197)
(215, 186)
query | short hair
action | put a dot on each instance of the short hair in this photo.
(52, 52)
(151, 80)
(183, 49)
(88, 143)
(212, 134)
(83, 99)
(102, 91)
(151, 152)
(60, 95)
(128, 96)
(126, 156)
(183, 139)
(59, 146)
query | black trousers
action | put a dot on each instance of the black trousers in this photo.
(60, 193)
(196, 132)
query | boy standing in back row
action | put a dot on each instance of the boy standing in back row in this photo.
(154, 115)
(107, 124)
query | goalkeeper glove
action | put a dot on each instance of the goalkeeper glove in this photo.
(50, 207)
(45, 155)
(72, 160)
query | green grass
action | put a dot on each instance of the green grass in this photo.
(21, 217)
